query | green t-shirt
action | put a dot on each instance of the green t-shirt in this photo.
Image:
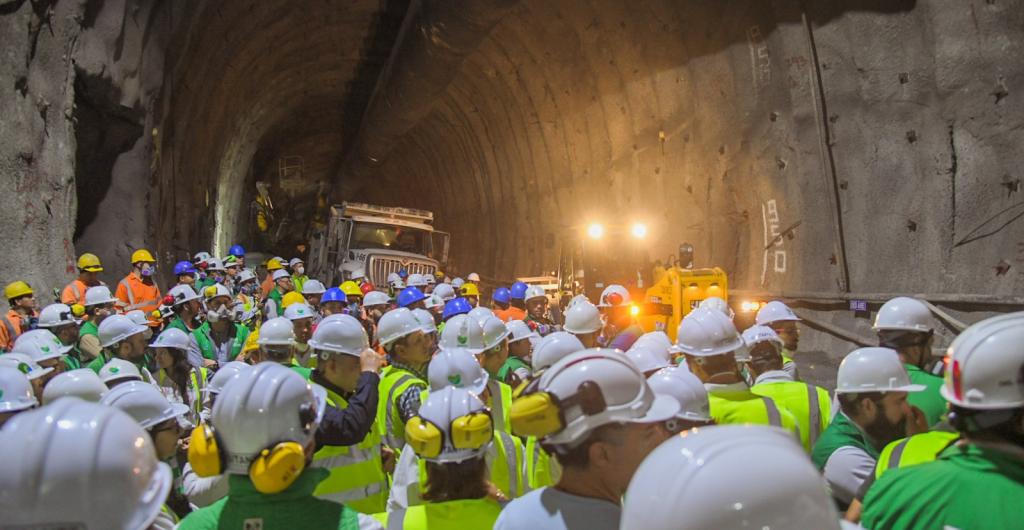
(967, 488)
(512, 364)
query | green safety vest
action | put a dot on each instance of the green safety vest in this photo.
(306, 373)
(929, 400)
(968, 487)
(810, 404)
(448, 515)
(209, 351)
(357, 477)
(73, 362)
(393, 383)
(198, 378)
(277, 297)
(88, 329)
(541, 469)
(504, 464)
(731, 406)
(97, 364)
(917, 449)
(842, 432)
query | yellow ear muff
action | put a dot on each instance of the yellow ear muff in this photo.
(424, 437)
(536, 414)
(204, 452)
(277, 467)
(472, 431)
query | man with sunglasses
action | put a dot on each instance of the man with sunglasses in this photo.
(905, 325)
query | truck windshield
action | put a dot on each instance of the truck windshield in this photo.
(391, 237)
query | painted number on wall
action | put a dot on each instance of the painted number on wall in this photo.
(773, 251)
(760, 60)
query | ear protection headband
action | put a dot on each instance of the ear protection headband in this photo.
(542, 414)
(273, 469)
(472, 431)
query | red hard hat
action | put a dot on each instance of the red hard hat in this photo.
(366, 287)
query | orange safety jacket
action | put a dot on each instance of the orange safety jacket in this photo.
(133, 294)
(74, 292)
(10, 328)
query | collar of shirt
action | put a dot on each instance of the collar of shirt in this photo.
(731, 388)
(774, 376)
(407, 368)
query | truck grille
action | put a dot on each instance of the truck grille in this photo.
(380, 267)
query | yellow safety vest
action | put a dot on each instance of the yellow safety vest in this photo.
(504, 464)
(917, 449)
(500, 404)
(541, 469)
(449, 515)
(198, 377)
(729, 407)
(393, 383)
(357, 477)
(810, 404)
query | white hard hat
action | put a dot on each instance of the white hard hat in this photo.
(416, 280)
(495, 332)
(429, 278)
(774, 311)
(728, 476)
(299, 311)
(98, 295)
(313, 287)
(473, 277)
(277, 331)
(396, 324)
(172, 338)
(554, 347)
(582, 317)
(265, 405)
(280, 274)
(213, 291)
(25, 364)
(518, 330)
(442, 409)
(623, 389)
(42, 345)
(201, 256)
(138, 316)
(658, 339)
(75, 464)
(904, 314)
(82, 383)
(245, 275)
(577, 299)
(144, 403)
(433, 300)
(534, 291)
(480, 313)
(985, 365)
(117, 369)
(182, 293)
(614, 289)
(648, 356)
(689, 391)
(706, 332)
(426, 320)
(716, 303)
(339, 334)
(295, 261)
(456, 367)
(458, 283)
(55, 316)
(117, 328)
(873, 370)
(445, 291)
(215, 264)
(463, 331)
(757, 334)
(15, 390)
(375, 298)
(281, 260)
(224, 374)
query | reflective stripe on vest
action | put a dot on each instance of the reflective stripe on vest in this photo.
(75, 291)
(502, 469)
(357, 477)
(511, 461)
(198, 383)
(389, 427)
(774, 418)
(814, 416)
(132, 305)
(11, 332)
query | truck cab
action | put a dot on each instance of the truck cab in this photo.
(369, 241)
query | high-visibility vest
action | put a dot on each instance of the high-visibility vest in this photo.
(207, 348)
(746, 407)
(197, 379)
(500, 403)
(12, 326)
(449, 515)
(541, 469)
(134, 294)
(393, 383)
(810, 404)
(74, 292)
(357, 477)
(504, 464)
(916, 449)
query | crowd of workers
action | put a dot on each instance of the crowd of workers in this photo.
(232, 400)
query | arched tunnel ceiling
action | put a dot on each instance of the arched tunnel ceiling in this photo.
(868, 136)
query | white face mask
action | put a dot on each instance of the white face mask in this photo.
(224, 313)
(300, 270)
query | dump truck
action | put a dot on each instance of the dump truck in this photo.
(369, 241)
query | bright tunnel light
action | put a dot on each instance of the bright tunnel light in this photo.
(595, 231)
(639, 230)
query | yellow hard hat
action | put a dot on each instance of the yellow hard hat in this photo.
(250, 342)
(16, 290)
(89, 262)
(292, 298)
(470, 289)
(351, 289)
(274, 265)
(142, 255)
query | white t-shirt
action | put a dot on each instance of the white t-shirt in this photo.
(552, 509)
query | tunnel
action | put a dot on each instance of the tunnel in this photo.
(824, 152)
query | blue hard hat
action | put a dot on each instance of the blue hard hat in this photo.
(333, 295)
(184, 267)
(410, 295)
(403, 274)
(458, 306)
(502, 294)
(236, 250)
(518, 290)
